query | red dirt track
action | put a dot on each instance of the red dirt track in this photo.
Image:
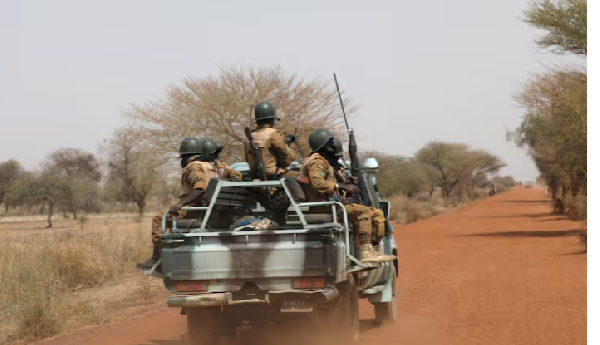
(500, 271)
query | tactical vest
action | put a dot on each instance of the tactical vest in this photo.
(311, 194)
(208, 169)
(261, 139)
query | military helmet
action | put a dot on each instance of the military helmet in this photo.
(264, 111)
(337, 146)
(190, 146)
(318, 138)
(208, 147)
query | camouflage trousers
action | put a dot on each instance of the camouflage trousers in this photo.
(157, 225)
(362, 219)
(378, 220)
(369, 221)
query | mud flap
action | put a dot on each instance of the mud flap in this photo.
(386, 294)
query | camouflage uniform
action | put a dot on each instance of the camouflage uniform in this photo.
(322, 182)
(377, 216)
(274, 153)
(275, 156)
(196, 175)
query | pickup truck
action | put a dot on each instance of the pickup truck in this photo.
(306, 269)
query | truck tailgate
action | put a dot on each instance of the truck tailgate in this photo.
(244, 255)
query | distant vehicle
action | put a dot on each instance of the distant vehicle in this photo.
(527, 184)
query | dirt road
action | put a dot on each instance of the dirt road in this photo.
(500, 271)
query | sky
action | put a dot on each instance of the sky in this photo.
(421, 70)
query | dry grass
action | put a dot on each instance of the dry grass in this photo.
(46, 275)
(407, 210)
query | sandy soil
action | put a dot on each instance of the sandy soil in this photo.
(499, 271)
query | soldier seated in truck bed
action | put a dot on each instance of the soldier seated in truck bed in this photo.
(320, 183)
(200, 162)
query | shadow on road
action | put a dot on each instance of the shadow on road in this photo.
(527, 201)
(557, 233)
(536, 215)
(183, 341)
(554, 219)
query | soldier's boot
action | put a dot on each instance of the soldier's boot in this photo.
(148, 264)
(368, 254)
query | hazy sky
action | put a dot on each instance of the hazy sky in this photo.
(426, 70)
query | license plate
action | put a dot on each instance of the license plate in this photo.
(296, 306)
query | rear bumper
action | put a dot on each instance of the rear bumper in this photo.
(226, 298)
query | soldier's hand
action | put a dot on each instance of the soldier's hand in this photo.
(174, 209)
(349, 188)
(290, 138)
(353, 180)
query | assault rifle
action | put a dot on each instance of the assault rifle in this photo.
(257, 160)
(355, 170)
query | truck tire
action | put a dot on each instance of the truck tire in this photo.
(205, 327)
(346, 323)
(385, 313)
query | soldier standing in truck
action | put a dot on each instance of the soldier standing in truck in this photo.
(275, 154)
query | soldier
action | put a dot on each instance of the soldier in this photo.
(200, 162)
(377, 215)
(275, 153)
(319, 177)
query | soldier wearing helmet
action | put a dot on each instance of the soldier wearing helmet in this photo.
(200, 162)
(322, 182)
(342, 175)
(275, 153)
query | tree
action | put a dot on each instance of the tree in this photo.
(47, 187)
(83, 170)
(565, 22)
(448, 164)
(10, 171)
(504, 182)
(132, 168)
(220, 106)
(399, 174)
(554, 130)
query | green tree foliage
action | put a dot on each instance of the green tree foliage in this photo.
(565, 22)
(83, 170)
(46, 188)
(10, 171)
(503, 182)
(400, 175)
(554, 131)
(449, 165)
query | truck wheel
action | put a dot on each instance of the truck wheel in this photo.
(205, 327)
(346, 318)
(385, 313)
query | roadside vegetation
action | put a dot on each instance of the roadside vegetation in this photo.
(554, 128)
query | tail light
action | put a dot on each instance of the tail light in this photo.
(308, 283)
(191, 286)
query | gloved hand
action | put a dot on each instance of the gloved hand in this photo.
(174, 209)
(349, 188)
(290, 138)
